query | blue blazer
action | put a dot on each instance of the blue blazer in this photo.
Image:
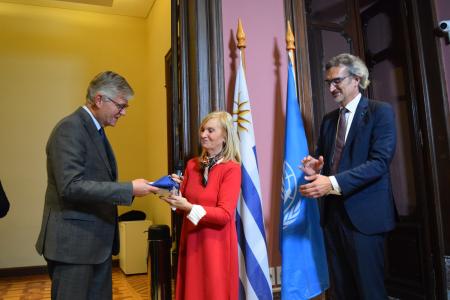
(363, 172)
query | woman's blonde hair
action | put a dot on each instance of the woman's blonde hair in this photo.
(231, 144)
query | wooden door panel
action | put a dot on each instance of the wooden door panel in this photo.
(404, 246)
(407, 251)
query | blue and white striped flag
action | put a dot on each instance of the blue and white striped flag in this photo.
(254, 279)
(304, 271)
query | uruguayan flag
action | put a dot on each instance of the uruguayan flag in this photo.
(254, 280)
(304, 271)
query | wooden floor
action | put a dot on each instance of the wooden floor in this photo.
(129, 287)
(125, 287)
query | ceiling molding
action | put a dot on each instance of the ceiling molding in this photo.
(130, 8)
(92, 2)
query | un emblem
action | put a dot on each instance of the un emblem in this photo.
(291, 199)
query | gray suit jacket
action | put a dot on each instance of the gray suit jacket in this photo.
(79, 223)
(4, 203)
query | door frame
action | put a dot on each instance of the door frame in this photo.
(195, 77)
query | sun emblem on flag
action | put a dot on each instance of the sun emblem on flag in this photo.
(241, 112)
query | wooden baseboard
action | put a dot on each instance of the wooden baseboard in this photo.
(23, 271)
(34, 270)
(115, 263)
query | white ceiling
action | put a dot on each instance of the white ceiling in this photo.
(132, 8)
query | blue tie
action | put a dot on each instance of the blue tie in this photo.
(102, 132)
(109, 154)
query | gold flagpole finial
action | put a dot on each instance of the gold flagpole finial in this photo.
(240, 35)
(290, 40)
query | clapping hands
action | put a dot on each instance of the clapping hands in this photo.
(311, 166)
(319, 185)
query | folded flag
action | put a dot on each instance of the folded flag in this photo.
(166, 185)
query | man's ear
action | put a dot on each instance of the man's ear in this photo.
(98, 100)
(358, 80)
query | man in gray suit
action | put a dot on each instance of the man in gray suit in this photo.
(4, 203)
(79, 232)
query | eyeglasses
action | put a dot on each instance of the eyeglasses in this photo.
(336, 81)
(119, 106)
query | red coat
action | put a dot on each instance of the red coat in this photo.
(208, 261)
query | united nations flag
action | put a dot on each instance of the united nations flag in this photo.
(304, 271)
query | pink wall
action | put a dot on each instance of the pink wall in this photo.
(266, 73)
(266, 60)
(443, 13)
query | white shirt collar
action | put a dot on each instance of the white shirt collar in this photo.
(97, 124)
(352, 105)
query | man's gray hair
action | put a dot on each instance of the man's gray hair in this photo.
(109, 84)
(355, 66)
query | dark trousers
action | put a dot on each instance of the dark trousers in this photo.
(355, 260)
(79, 282)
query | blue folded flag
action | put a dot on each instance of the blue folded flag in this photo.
(167, 186)
(166, 182)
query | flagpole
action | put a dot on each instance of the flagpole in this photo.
(254, 275)
(241, 39)
(300, 229)
(290, 44)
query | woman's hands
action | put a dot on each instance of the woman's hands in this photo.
(178, 202)
(177, 178)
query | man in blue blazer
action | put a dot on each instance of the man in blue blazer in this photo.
(79, 231)
(351, 176)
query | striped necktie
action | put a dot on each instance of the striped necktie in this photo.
(340, 140)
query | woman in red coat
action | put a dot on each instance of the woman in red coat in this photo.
(208, 262)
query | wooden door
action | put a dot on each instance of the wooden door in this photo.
(194, 82)
(386, 34)
(408, 251)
